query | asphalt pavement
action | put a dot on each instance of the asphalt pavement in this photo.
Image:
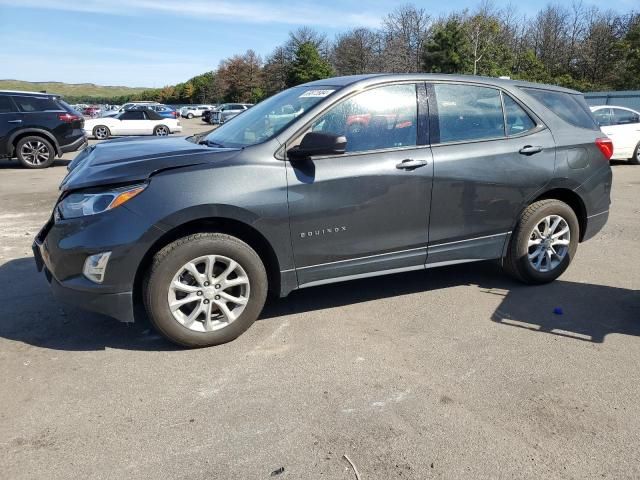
(458, 372)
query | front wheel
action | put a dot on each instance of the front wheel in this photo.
(161, 131)
(190, 116)
(544, 242)
(205, 289)
(101, 132)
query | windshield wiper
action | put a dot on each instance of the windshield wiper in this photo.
(209, 143)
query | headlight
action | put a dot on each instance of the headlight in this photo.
(89, 203)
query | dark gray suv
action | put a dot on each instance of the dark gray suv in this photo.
(334, 180)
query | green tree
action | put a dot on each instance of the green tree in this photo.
(448, 49)
(629, 52)
(189, 91)
(307, 66)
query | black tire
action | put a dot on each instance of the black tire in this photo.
(101, 132)
(635, 160)
(168, 261)
(190, 116)
(160, 128)
(517, 262)
(35, 152)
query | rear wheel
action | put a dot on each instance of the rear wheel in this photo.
(161, 131)
(35, 152)
(101, 132)
(544, 242)
(205, 289)
(635, 160)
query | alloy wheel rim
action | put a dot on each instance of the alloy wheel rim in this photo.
(162, 132)
(35, 152)
(208, 293)
(101, 133)
(548, 243)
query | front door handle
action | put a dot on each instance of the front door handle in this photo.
(15, 121)
(410, 164)
(530, 150)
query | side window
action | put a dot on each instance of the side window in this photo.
(624, 117)
(467, 112)
(383, 117)
(603, 117)
(36, 104)
(518, 121)
(132, 115)
(6, 105)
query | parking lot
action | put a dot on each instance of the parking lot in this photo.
(458, 372)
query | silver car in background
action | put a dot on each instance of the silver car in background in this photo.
(227, 111)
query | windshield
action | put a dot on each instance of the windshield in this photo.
(268, 118)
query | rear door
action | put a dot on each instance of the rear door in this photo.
(490, 154)
(366, 210)
(42, 112)
(10, 121)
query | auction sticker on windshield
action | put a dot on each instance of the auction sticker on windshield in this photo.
(316, 93)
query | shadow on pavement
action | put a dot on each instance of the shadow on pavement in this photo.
(30, 314)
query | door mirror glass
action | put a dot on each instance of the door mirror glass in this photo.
(318, 143)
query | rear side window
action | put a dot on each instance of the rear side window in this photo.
(624, 117)
(467, 112)
(518, 121)
(6, 105)
(36, 104)
(569, 107)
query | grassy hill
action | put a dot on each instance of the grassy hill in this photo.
(75, 90)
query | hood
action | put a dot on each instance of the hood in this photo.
(130, 160)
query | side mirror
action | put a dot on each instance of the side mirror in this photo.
(318, 143)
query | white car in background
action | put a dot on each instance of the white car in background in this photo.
(622, 126)
(127, 106)
(191, 111)
(131, 122)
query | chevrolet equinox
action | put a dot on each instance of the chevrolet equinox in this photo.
(329, 181)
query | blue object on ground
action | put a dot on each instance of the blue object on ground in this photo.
(557, 311)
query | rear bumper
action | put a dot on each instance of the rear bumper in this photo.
(595, 223)
(76, 145)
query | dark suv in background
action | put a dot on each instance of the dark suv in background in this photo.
(334, 180)
(37, 127)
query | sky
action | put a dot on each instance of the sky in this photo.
(152, 43)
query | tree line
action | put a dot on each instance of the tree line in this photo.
(575, 45)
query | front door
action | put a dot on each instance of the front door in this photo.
(365, 211)
(490, 156)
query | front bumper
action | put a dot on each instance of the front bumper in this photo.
(60, 249)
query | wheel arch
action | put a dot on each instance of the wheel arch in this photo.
(32, 132)
(572, 199)
(229, 226)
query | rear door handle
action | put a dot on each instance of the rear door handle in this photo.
(530, 150)
(410, 164)
(15, 121)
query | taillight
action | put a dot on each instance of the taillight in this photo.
(68, 117)
(606, 146)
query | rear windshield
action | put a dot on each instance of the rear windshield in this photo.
(570, 107)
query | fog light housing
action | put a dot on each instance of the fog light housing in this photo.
(95, 266)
